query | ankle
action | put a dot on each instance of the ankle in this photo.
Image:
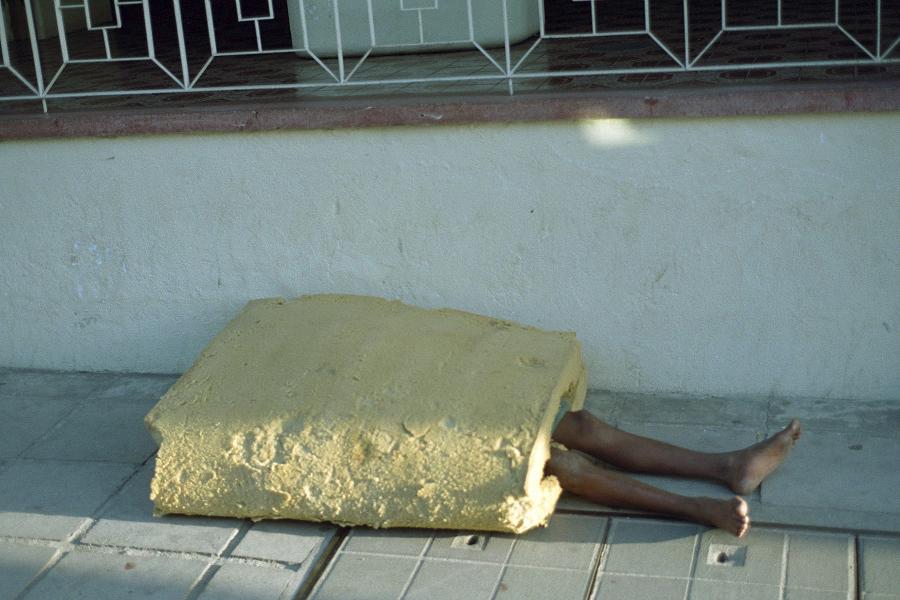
(729, 466)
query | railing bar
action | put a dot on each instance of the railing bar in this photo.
(527, 52)
(506, 46)
(106, 44)
(554, 36)
(878, 28)
(22, 78)
(822, 25)
(151, 48)
(444, 79)
(202, 71)
(647, 15)
(593, 16)
(837, 12)
(724, 14)
(471, 20)
(210, 27)
(237, 6)
(359, 64)
(338, 40)
(775, 65)
(303, 25)
(421, 28)
(737, 67)
(779, 12)
(61, 29)
(32, 34)
(889, 50)
(167, 71)
(316, 58)
(857, 42)
(4, 51)
(371, 22)
(56, 76)
(488, 56)
(665, 48)
(705, 48)
(541, 15)
(687, 35)
(88, 61)
(258, 38)
(34, 98)
(182, 48)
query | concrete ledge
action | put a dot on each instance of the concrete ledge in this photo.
(870, 96)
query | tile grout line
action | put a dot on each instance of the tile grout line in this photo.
(327, 562)
(419, 560)
(72, 540)
(45, 435)
(782, 580)
(503, 567)
(321, 565)
(692, 569)
(600, 554)
(62, 549)
(213, 564)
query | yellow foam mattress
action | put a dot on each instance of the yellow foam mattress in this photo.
(363, 411)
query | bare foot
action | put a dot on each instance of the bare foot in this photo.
(751, 465)
(730, 515)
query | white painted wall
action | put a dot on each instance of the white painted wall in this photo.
(726, 256)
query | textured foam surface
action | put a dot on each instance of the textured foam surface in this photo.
(363, 411)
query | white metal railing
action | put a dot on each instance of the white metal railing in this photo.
(358, 43)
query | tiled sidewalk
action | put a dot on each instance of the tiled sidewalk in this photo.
(75, 520)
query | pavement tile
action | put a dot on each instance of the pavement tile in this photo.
(527, 583)
(820, 561)
(51, 499)
(365, 576)
(247, 582)
(746, 413)
(878, 417)
(436, 579)
(23, 419)
(650, 548)
(285, 541)
(879, 562)
(140, 388)
(615, 586)
(488, 547)
(128, 521)
(835, 470)
(569, 541)
(100, 430)
(91, 576)
(19, 564)
(54, 385)
(755, 559)
(716, 590)
(395, 542)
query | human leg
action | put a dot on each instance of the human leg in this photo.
(740, 470)
(580, 476)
